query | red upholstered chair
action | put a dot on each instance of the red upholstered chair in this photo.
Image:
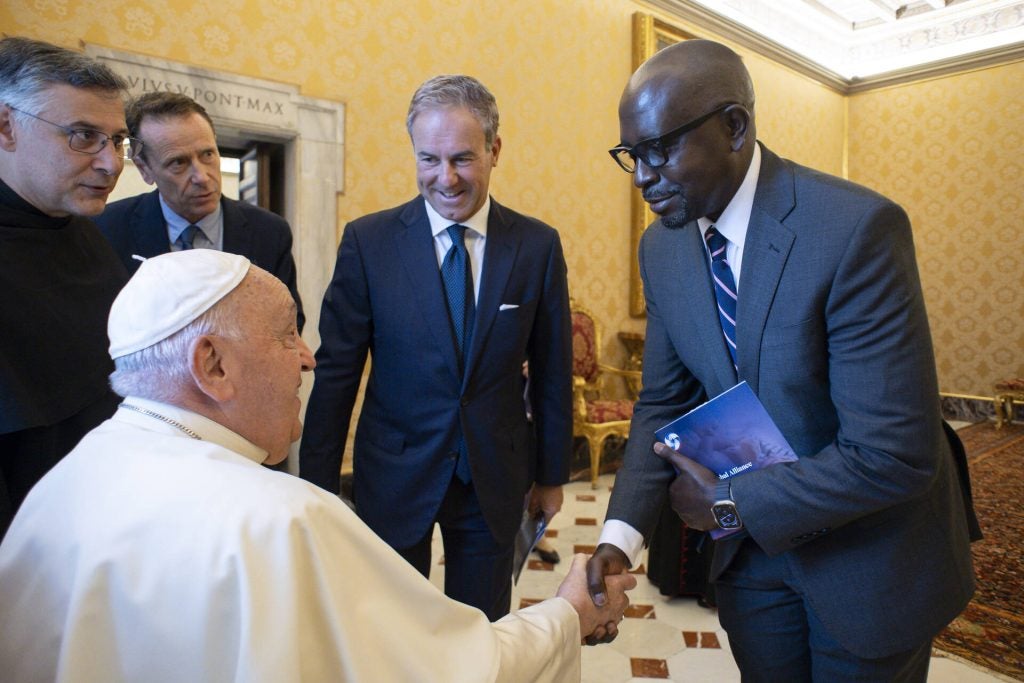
(595, 417)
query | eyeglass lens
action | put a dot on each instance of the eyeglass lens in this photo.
(652, 152)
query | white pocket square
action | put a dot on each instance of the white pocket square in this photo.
(507, 307)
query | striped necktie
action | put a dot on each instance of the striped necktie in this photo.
(725, 289)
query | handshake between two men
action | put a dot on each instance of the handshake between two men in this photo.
(598, 623)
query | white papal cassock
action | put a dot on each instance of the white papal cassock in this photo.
(146, 555)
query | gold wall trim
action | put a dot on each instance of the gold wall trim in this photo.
(649, 35)
(733, 31)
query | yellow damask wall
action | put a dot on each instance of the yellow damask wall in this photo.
(557, 68)
(949, 151)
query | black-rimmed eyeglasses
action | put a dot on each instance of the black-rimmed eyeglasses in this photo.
(89, 141)
(652, 151)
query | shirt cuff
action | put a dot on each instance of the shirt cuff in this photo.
(624, 537)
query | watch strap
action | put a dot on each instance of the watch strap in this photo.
(723, 490)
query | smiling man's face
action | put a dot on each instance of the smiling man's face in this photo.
(453, 161)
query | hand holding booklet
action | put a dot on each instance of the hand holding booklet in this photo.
(730, 434)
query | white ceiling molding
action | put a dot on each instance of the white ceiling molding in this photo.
(855, 45)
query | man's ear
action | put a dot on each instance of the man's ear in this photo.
(7, 141)
(209, 370)
(495, 150)
(144, 170)
(738, 119)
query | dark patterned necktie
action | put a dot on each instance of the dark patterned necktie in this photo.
(458, 288)
(187, 236)
(725, 288)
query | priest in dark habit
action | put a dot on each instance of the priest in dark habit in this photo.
(63, 140)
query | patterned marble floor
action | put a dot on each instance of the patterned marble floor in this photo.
(661, 639)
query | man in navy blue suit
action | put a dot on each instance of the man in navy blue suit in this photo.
(443, 435)
(187, 210)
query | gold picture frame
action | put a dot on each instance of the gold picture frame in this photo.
(650, 34)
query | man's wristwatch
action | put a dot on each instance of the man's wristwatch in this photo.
(724, 509)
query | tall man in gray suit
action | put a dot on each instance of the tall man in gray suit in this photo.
(849, 560)
(450, 293)
(188, 209)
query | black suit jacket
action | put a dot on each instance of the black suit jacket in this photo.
(387, 298)
(136, 226)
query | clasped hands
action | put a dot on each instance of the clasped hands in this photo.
(598, 623)
(691, 495)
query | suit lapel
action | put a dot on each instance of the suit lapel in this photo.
(151, 231)
(415, 248)
(500, 251)
(765, 251)
(236, 238)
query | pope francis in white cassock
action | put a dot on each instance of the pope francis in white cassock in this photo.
(160, 548)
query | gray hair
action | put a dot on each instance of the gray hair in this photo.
(456, 91)
(28, 68)
(162, 371)
(161, 105)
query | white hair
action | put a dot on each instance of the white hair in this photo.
(162, 371)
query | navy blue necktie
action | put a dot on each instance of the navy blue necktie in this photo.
(725, 288)
(458, 288)
(457, 275)
(187, 236)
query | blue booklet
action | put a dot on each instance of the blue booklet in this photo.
(530, 531)
(730, 434)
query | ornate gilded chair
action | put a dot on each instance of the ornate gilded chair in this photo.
(1007, 392)
(595, 417)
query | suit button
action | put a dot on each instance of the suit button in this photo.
(452, 455)
(464, 402)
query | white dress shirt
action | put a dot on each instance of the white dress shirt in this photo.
(211, 228)
(476, 237)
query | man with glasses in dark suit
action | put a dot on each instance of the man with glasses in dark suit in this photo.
(63, 138)
(846, 562)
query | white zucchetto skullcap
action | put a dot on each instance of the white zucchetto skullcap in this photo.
(167, 293)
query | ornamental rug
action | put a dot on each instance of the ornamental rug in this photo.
(990, 631)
